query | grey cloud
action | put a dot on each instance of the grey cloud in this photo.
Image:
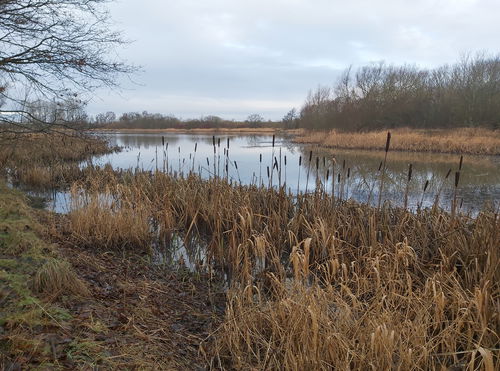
(231, 57)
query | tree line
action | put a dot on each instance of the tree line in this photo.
(379, 96)
(146, 120)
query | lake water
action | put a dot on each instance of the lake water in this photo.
(359, 170)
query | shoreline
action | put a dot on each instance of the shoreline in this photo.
(461, 141)
(257, 131)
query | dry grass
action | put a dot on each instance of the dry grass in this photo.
(47, 161)
(102, 221)
(57, 277)
(321, 284)
(462, 141)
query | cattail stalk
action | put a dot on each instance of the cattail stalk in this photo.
(272, 159)
(408, 180)
(308, 170)
(387, 144)
(298, 177)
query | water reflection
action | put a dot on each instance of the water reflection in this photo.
(350, 174)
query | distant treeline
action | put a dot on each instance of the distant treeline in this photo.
(383, 96)
(145, 120)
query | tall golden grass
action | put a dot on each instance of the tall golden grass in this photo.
(478, 141)
(315, 283)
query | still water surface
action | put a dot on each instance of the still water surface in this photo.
(359, 170)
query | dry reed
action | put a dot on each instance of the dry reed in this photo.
(320, 285)
(463, 141)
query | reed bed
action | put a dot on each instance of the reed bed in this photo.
(48, 161)
(475, 141)
(315, 282)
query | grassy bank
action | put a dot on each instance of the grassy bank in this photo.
(459, 141)
(33, 278)
(316, 283)
(67, 307)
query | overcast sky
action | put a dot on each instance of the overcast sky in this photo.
(232, 58)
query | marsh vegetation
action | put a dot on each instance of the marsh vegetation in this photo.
(277, 268)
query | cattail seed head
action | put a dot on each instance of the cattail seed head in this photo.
(457, 178)
(388, 142)
(410, 171)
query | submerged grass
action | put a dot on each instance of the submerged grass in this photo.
(318, 283)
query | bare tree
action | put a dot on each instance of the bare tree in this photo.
(53, 50)
(254, 120)
(290, 119)
(105, 118)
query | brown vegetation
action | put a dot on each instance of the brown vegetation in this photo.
(460, 141)
(50, 160)
(318, 284)
(313, 282)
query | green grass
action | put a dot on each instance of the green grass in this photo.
(27, 312)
